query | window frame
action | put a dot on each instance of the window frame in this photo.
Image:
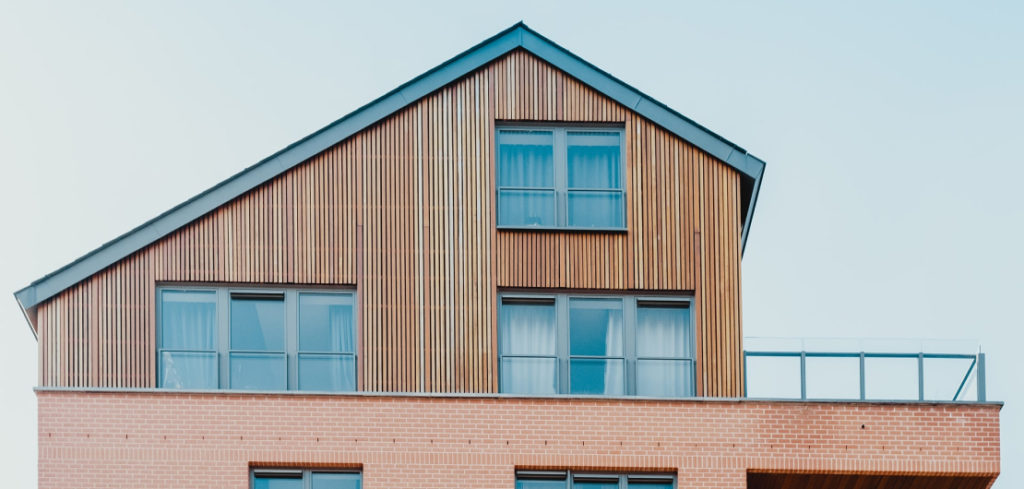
(630, 304)
(222, 335)
(296, 473)
(560, 163)
(623, 478)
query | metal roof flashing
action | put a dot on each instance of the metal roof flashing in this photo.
(518, 36)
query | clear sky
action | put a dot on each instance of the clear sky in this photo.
(890, 207)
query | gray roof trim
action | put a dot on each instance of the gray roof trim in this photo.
(517, 36)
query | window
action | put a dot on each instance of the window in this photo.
(560, 178)
(255, 339)
(558, 479)
(305, 479)
(586, 344)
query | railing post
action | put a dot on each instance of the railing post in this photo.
(803, 375)
(981, 377)
(920, 376)
(863, 391)
(745, 374)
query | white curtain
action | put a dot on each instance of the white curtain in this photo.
(529, 329)
(594, 163)
(188, 322)
(664, 332)
(526, 159)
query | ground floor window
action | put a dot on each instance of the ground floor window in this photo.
(306, 479)
(568, 479)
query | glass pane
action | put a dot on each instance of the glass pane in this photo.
(524, 375)
(890, 378)
(595, 327)
(276, 483)
(325, 323)
(188, 370)
(526, 159)
(528, 329)
(664, 378)
(594, 160)
(257, 324)
(327, 372)
(526, 208)
(188, 320)
(595, 209)
(663, 332)
(322, 480)
(773, 377)
(540, 484)
(943, 376)
(594, 485)
(833, 378)
(592, 376)
(258, 371)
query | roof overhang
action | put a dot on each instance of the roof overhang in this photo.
(519, 36)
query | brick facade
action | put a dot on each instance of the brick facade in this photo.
(90, 439)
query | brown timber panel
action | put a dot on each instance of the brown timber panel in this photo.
(296, 229)
(416, 193)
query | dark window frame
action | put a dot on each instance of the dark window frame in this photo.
(222, 335)
(295, 473)
(630, 304)
(624, 479)
(561, 180)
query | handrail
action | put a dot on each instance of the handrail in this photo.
(977, 362)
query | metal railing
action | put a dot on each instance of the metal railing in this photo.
(886, 375)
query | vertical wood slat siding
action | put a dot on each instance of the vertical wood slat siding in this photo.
(419, 188)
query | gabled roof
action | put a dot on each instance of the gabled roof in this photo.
(519, 36)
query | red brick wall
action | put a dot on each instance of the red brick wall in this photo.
(169, 439)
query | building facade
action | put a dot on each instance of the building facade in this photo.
(513, 271)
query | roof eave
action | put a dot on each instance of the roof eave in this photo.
(516, 36)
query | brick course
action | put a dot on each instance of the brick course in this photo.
(91, 439)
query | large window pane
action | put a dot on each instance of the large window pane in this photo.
(327, 372)
(595, 327)
(594, 376)
(540, 484)
(323, 480)
(528, 329)
(526, 208)
(188, 370)
(325, 323)
(276, 483)
(257, 324)
(258, 371)
(663, 332)
(595, 485)
(528, 375)
(595, 209)
(664, 378)
(188, 320)
(593, 160)
(526, 159)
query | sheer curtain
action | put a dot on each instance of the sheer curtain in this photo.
(664, 348)
(594, 164)
(526, 178)
(529, 349)
(187, 326)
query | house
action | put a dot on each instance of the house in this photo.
(514, 270)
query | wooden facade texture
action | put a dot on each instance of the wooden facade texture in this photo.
(404, 213)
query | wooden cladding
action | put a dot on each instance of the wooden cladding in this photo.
(405, 212)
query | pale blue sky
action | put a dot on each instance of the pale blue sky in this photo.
(889, 209)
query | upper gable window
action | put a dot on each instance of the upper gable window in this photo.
(560, 178)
